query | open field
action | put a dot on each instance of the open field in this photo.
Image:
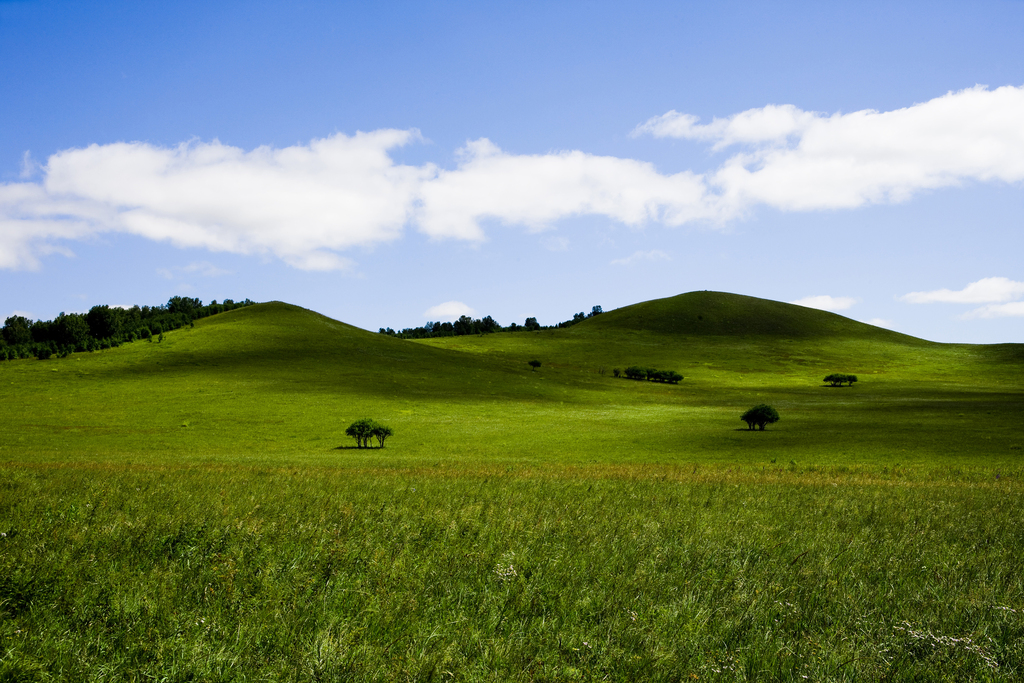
(191, 509)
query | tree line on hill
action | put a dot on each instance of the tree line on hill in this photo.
(466, 325)
(102, 327)
(649, 374)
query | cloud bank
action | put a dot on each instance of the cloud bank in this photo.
(999, 293)
(800, 161)
(309, 204)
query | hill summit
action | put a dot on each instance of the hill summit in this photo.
(707, 313)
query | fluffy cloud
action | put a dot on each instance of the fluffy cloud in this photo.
(536, 190)
(639, 256)
(449, 310)
(773, 123)
(825, 302)
(308, 204)
(304, 204)
(801, 160)
(987, 290)
(999, 293)
(301, 203)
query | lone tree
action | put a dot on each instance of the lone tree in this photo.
(361, 431)
(534, 364)
(364, 430)
(381, 433)
(760, 415)
(836, 379)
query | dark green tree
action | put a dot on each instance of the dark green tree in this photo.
(183, 304)
(534, 364)
(381, 433)
(464, 325)
(71, 330)
(760, 415)
(531, 324)
(17, 330)
(103, 321)
(361, 431)
(836, 379)
(636, 372)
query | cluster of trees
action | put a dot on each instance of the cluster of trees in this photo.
(102, 327)
(837, 379)
(364, 430)
(760, 415)
(467, 325)
(649, 374)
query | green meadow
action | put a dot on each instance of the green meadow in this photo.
(191, 509)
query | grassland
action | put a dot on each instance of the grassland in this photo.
(191, 509)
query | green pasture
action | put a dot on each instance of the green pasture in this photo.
(191, 509)
(276, 383)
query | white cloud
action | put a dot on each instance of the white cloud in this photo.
(801, 161)
(773, 123)
(308, 204)
(1007, 310)
(300, 203)
(638, 256)
(986, 290)
(825, 302)
(536, 190)
(449, 310)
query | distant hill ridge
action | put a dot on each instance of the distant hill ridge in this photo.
(724, 314)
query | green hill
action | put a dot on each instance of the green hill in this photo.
(274, 382)
(722, 314)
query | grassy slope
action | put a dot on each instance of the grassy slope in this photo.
(917, 401)
(276, 383)
(181, 511)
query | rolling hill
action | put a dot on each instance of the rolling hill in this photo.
(720, 314)
(276, 382)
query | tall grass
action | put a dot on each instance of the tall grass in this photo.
(204, 573)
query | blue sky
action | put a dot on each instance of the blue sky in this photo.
(386, 163)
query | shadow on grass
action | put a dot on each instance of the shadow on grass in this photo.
(357, 448)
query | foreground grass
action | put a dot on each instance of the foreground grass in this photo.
(613, 573)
